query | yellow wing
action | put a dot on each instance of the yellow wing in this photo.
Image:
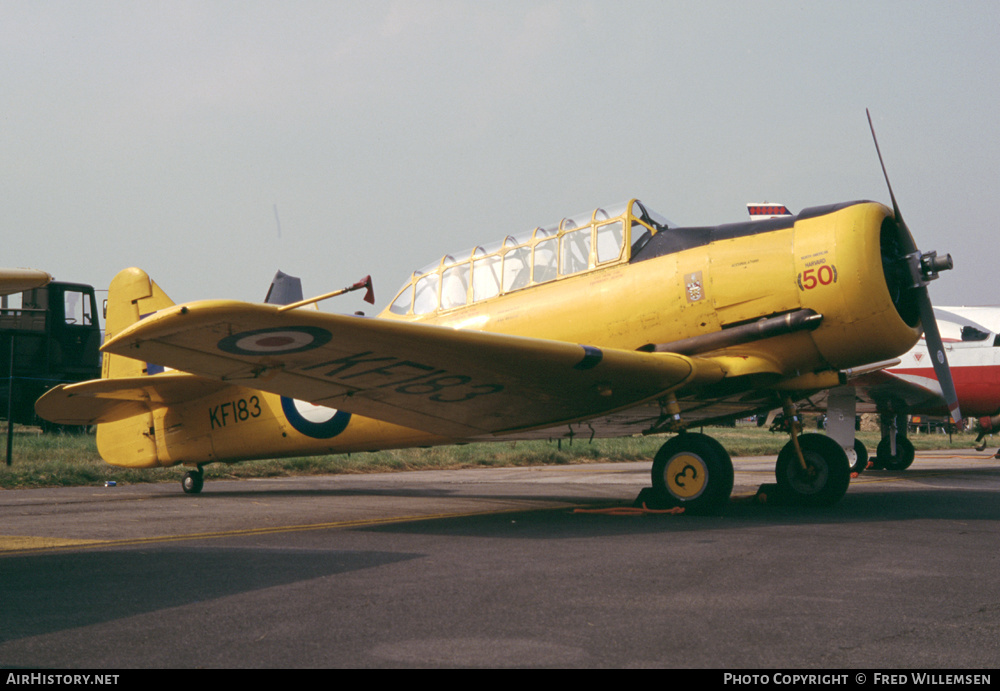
(437, 379)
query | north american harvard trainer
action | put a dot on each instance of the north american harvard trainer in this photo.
(613, 322)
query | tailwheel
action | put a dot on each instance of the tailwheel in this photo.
(693, 471)
(903, 457)
(193, 481)
(825, 478)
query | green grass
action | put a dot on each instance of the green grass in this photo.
(54, 460)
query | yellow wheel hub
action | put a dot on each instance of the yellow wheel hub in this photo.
(686, 475)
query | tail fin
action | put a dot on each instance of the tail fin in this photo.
(132, 295)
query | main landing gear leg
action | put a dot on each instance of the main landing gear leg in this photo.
(193, 481)
(812, 469)
(841, 412)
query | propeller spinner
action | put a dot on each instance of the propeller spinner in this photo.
(921, 269)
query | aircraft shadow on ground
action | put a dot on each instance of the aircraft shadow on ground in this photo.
(109, 585)
(868, 508)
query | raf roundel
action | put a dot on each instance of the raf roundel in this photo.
(279, 340)
(314, 421)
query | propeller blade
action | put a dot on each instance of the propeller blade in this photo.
(923, 269)
(935, 346)
(905, 236)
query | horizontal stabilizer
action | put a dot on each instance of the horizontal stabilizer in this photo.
(108, 400)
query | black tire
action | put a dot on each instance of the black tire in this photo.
(826, 478)
(862, 461)
(192, 482)
(693, 471)
(905, 453)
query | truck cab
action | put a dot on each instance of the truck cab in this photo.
(56, 338)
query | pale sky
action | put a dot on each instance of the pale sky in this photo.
(213, 143)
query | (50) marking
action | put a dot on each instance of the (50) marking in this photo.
(817, 276)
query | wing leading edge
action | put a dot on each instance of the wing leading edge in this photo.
(437, 379)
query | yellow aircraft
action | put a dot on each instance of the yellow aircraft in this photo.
(611, 323)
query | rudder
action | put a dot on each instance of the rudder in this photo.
(132, 295)
(131, 441)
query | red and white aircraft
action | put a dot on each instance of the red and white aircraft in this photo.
(911, 386)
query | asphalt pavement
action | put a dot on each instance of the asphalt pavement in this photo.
(521, 567)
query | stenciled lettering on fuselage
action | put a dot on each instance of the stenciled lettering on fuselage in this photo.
(818, 272)
(312, 420)
(234, 412)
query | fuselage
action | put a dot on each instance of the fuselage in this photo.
(685, 282)
(618, 280)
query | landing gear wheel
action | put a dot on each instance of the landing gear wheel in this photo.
(825, 479)
(193, 481)
(693, 471)
(862, 453)
(904, 453)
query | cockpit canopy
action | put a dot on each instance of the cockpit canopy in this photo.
(577, 244)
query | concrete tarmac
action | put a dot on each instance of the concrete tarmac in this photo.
(500, 568)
